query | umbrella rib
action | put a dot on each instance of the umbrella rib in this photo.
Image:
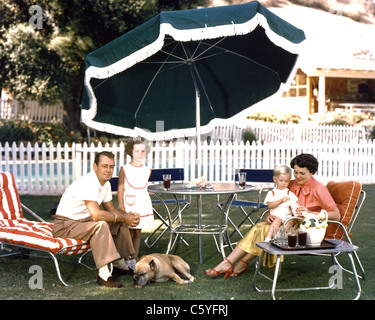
(192, 61)
(152, 81)
(176, 65)
(209, 56)
(246, 58)
(204, 89)
(172, 55)
(210, 46)
(186, 54)
(145, 94)
(196, 49)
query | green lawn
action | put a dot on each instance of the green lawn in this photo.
(296, 270)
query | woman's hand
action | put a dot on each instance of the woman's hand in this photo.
(301, 210)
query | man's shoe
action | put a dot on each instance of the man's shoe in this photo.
(121, 272)
(111, 282)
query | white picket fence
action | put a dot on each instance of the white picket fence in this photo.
(43, 170)
(307, 132)
(30, 111)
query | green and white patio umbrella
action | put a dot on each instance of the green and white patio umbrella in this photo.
(186, 70)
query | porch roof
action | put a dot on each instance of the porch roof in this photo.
(333, 42)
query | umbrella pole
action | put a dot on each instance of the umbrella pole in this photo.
(198, 137)
(198, 122)
(198, 154)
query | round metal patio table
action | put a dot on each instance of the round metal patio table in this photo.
(199, 229)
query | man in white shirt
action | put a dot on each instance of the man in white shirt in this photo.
(80, 216)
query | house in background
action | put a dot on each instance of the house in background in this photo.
(336, 69)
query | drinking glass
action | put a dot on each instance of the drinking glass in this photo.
(166, 181)
(283, 236)
(242, 180)
(302, 235)
(292, 238)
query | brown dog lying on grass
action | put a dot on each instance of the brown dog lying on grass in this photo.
(158, 267)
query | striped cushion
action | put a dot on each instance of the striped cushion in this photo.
(346, 195)
(38, 235)
(14, 228)
(10, 206)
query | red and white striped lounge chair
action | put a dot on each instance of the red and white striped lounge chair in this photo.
(18, 232)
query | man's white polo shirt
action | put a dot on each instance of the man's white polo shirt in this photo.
(87, 188)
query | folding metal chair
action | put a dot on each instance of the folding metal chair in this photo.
(349, 198)
(177, 175)
(263, 182)
(17, 232)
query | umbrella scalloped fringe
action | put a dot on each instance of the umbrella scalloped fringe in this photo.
(188, 35)
(171, 134)
(231, 30)
(154, 136)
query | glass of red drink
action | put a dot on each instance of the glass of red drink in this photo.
(302, 235)
(292, 239)
(166, 181)
(242, 179)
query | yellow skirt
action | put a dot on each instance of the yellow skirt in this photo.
(248, 243)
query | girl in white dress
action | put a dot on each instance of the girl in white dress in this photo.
(133, 194)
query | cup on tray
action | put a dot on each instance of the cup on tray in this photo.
(279, 236)
(292, 239)
(302, 235)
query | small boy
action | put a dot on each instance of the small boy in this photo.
(280, 200)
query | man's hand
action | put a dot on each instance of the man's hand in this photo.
(131, 219)
(110, 212)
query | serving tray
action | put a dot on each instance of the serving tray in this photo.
(326, 244)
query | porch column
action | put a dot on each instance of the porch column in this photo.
(322, 95)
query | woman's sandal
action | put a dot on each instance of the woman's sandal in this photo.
(213, 273)
(236, 274)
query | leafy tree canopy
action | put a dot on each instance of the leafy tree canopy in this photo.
(47, 64)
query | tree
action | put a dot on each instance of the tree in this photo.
(47, 64)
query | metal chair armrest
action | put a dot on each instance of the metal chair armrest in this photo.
(343, 228)
(261, 191)
(291, 218)
(32, 213)
(263, 214)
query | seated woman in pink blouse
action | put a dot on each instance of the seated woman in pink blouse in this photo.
(312, 197)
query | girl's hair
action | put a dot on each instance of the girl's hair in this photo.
(282, 169)
(130, 146)
(305, 160)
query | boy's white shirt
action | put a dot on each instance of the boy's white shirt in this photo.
(286, 209)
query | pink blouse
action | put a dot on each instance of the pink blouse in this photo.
(313, 195)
